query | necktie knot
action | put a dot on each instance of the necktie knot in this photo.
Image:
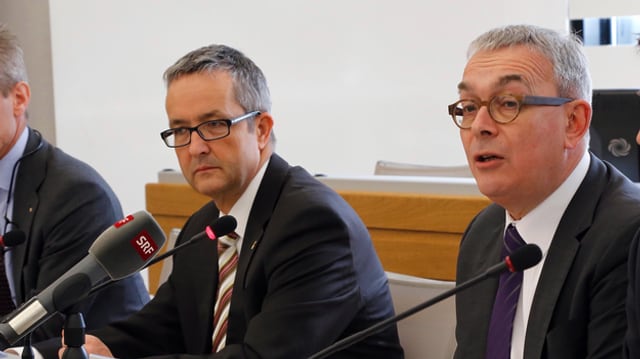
(227, 241)
(512, 239)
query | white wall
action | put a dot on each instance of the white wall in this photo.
(615, 67)
(597, 8)
(352, 81)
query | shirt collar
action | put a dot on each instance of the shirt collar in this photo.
(241, 209)
(10, 159)
(539, 225)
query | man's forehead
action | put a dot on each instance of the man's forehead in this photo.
(501, 67)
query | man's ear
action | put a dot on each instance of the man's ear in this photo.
(21, 94)
(263, 128)
(578, 120)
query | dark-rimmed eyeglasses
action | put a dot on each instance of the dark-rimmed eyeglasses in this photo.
(502, 108)
(208, 131)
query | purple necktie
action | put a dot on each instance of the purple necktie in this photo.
(6, 302)
(504, 307)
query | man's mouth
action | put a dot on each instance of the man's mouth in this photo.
(486, 158)
(203, 168)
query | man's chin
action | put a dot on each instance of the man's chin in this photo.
(206, 185)
(207, 189)
(490, 188)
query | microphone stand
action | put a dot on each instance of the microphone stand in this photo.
(524, 257)
(74, 326)
(74, 330)
(27, 350)
(347, 341)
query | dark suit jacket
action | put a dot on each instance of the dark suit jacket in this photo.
(578, 309)
(63, 205)
(632, 339)
(307, 276)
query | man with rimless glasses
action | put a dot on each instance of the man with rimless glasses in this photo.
(523, 114)
(299, 273)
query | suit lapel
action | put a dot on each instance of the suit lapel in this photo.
(205, 284)
(562, 251)
(483, 295)
(31, 173)
(494, 248)
(259, 216)
(202, 284)
(261, 211)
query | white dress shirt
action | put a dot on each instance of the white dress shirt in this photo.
(242, 208)
(538, 227)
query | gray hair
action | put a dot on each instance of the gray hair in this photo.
(565, 52)
(12, 67)
(249, 83)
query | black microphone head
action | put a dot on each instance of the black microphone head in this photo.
(224, 225)
(525, 257)
(14, 238)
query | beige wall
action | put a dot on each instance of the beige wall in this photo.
(29, 20)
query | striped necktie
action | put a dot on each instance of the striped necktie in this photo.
(506, 302)
(227, 264)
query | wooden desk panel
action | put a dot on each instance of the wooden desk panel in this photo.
(416, 234)
(171, 205)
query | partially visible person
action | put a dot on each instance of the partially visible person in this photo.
(632, 339)
(306, 275)
(60, 203)
(524, 113)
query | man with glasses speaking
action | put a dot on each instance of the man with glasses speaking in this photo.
(300, 271)
(523, 114)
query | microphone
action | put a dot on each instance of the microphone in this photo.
(12, 238)
(523, 258)
(220, 227)
(121, 250)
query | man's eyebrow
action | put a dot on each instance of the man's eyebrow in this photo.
(462, 86)
(177, 122)
(201, 118)
(215, 114)
(502, 81)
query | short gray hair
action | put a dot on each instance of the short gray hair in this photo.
(12, 67)
(565, 52)
(249, 83)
